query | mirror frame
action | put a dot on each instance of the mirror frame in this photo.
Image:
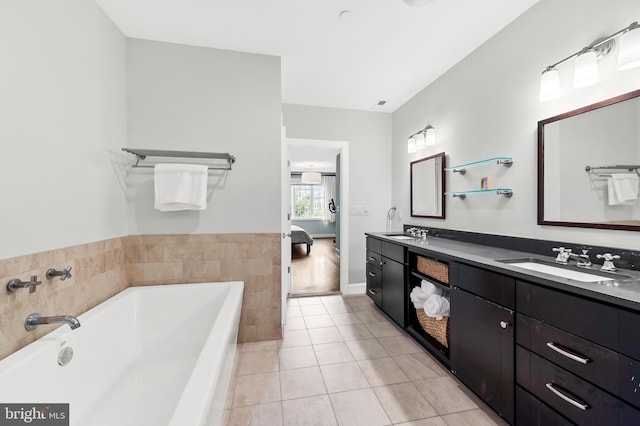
(442, 157)
(541, 124)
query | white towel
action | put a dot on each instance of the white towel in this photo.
(180, 187)
(429, 288)
(625, 186)
(418, 297)
(437, 307)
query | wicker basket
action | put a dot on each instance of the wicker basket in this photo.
(434, 269)
(438, 329)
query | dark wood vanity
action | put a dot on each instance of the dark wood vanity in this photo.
(534, 349)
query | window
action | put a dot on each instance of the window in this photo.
(307, 201)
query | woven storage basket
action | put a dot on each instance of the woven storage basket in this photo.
(439, 330)
(434, 269)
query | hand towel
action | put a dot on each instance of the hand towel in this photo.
(625, 186)
(418, 297)
(429, 288)
(437, 307)
(180, 187)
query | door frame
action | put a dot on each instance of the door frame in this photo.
(343, 147)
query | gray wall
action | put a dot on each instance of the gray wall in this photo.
(368, 135)
(63, 106)
(201, 99)
(487, 105)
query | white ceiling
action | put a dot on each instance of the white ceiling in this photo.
(303, 158)
(383, 50)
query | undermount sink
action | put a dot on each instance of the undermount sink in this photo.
(401, 237)
(568, 272)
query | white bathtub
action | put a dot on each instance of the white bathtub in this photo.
(157, 355)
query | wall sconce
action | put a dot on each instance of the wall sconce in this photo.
(586, 63)
(419, 140)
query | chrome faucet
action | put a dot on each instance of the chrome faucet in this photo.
(582, 259)
(35, 319)
(563, 254)
(64, 274)
(608, 265)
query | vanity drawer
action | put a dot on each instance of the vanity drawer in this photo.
(374, 259)
(374, 284)
(393, 251)
(374, 244)
(566, 393)
(630, 380)
(530, 411)
(585, 318)
(497, 288)
(592, 362)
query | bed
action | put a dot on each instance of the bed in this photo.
(300, 236)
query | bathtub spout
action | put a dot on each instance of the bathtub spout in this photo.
(35, 319)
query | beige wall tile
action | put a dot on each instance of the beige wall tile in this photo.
(101, 269)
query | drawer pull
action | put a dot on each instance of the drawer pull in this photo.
(564, 397)
(371, 274)
(372, 258)
(372, 292)
(564, 352)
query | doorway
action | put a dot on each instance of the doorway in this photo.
(324, 269)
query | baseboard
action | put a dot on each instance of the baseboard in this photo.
(323, 235)
(357, 288)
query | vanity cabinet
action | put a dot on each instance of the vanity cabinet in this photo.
(482, 336)
(386, 278)
(575, 357)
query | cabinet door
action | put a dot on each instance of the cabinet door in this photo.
(482, 349)
(393, 294)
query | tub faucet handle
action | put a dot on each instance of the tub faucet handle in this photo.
(16, 284)
(64, 274)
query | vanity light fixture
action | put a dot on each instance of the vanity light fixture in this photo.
(419, 140)
(586, 61)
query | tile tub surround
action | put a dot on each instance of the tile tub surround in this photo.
(189, 258)
(104, 268)
(99, 272)
(361, 377)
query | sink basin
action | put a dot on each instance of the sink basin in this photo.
(568, 272)
(402, 237)
(585, 277)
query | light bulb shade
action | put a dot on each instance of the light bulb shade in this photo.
(586, 69)
(419, 138)
(430, 136)
(629, 54)
(311, 178)
(417, 3)
(411, 145)
(549, 85)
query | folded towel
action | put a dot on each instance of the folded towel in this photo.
(418, 297)
(437, 307)
(625, 186)
(429, 288)
(180, 187)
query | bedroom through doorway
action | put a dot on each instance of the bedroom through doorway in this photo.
(315, 200)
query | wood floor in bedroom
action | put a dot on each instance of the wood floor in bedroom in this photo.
(317, 273)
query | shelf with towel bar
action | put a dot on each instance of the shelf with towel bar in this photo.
(628, 168)
(142, 154)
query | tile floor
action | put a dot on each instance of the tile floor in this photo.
(343, 362)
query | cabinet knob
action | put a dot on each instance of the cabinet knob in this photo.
(504, 324)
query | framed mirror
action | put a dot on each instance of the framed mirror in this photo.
(589, 165)
(427, 187)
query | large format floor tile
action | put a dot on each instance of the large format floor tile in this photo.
(343, 362)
